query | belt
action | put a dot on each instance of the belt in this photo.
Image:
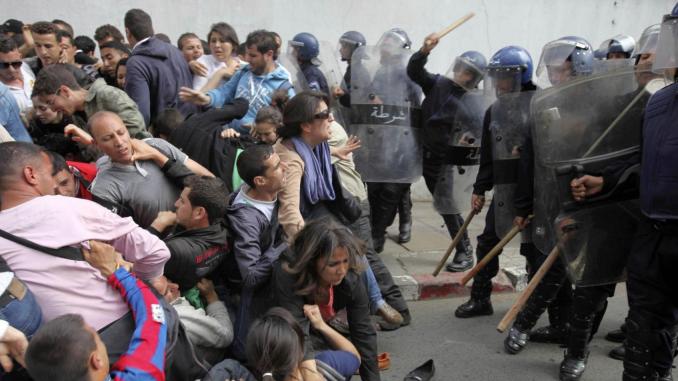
(15, 291)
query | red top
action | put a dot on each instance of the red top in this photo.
(327, 310)
(84, 174)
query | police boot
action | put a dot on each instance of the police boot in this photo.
(618, 335)
(618, 353)
(576, 355)
(557, 330)
(516, 340)
(405, 218)
(479, 304)
(519, 335)
(463, 256)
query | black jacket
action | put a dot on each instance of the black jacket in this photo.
(440, 105)
(350, 294)
(195, 254)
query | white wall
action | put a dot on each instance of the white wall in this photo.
(528, 23)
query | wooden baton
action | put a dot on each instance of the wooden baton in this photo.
(522, 299)
(454, 25)
(493, 253)
(454, 243)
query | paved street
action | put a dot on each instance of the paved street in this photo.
(472, 349)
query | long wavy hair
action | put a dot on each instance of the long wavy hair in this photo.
(318, 240)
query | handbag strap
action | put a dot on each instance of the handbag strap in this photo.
(66, 252)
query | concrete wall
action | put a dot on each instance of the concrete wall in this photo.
(529, 23)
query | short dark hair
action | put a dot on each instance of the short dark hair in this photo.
(210, 193)
(227, 33)
(44, 27)
(139, 24)
(269, 114)
(166, 122)
(117, 45)
(64, 24)
(251, 162)
(263, 40)
(15, 156)
(58, 162)
(300, 109)
(86, 44)
(108, 30)
(163, 37)
(242, 49)
(51, 78)
(275, 344)
(60, 350)
(180, 41)
(64, 34)
(7, 44)
(122, 62)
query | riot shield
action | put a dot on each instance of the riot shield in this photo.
(329, 66)
(455, 183)
(289, 62)
(509, 129)
(581, 127)
(385, 115)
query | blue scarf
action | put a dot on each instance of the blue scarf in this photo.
(317, 181)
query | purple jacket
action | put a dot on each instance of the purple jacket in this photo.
(155, 72)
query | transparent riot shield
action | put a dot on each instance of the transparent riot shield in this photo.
(329, 65)
(385, 115)
(509, 129)
(582, 127)
(455, 183)
(289, 62)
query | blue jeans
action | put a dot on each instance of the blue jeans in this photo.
(373, 291)
(24, 315)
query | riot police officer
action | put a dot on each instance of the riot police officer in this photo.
(306, 48)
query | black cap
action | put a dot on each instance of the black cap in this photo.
(13, 25)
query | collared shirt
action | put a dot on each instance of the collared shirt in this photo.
(65, 286)
(23, 94)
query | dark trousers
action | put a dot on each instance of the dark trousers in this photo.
(554, 293)
(453, 222)
(389, 290)
(384, 199)
(588, 307)
(482, 282)
(652, 287)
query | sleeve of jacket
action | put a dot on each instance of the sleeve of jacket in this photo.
(289, 214)
(228, 112)
(255, 264)
(212, 329)
(145, 358)
(180, 267)
(524, 195)
(485, 179)
(137, 87)
(224, 93)
(362, 333)
(283, 293)
(418, 74)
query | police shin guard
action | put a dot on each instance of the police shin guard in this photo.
(479, 304)
(405, 218)
(586, 309)
(557, 297)
(463, 256)
(643, 344)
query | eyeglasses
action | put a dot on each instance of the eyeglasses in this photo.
(323, 115)
(16, 65)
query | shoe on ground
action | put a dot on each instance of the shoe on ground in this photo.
(618, 353)
(549, 334)
(405, 230)
(572, 367)
(462, 261)
(390, 315)
(516, 341)
(474, 307)
(616, 336)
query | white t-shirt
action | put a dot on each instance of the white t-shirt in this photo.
(212, 65)
(265, 207)
(23, 94)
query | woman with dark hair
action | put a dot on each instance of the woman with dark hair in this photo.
(275, 349)
(121, 73)
(323, 268)
(211, 70)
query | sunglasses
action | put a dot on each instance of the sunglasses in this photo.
(323, 115)
(15, 64)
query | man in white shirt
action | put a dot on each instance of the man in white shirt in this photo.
(16, 74)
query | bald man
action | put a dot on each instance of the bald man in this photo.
(140, 178)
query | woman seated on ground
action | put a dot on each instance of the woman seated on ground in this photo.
(275, 349)
(211, 70)
(322, 268)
